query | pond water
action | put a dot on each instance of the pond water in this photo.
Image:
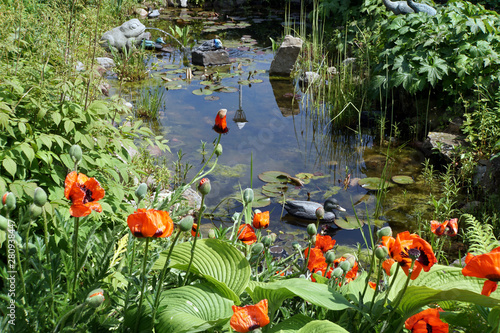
(274, 125)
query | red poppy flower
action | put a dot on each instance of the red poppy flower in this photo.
(220, 122)
(372, 285)
(437, 228)
(484, 266)
(316, 261)
(426, 321)
(324, 243)
(409, 245)
(250, 317)
(387, 264)
(246, 234)
(84, 192)
(353, 272)
(261, 220)
(150, 223)
(194, 228)
(448, 227)
(452, 228)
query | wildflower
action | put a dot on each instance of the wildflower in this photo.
(452, 228)
(84, 193)
(372, 285)
(448, 227)
(317, 261)
(220, 122)
(408, 247)
(246, 234)
(324, 243)
(426, 321)
(261, 220)
(437, 228)
(150, 223)
(194, 229)
(250, 317)
(484, 266)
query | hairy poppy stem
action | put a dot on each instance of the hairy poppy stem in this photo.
(143, 285)
(131, 266)
(379, 271)
(372, 262)
(200, 214)
(308, 254)
(75, 253)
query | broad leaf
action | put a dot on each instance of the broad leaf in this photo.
(291, 324)
(322, 326)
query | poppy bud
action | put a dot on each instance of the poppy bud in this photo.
(211, 233)
(296, 246)
(311, 229)
(34, 211)
(40, 197)
(273, 236)
(385, 231)
(345, 265)
(320, 213)
(267, 241)
(76, 153)
(381, 252)
(218, 150)
(329, 257)
(235, 216)
(204, 186)
(9, 201)
(338, 272)
(95, 298)
(351, 258)
(186, 224)
(141, 191)
(4, 223)
(247, 196)
(257, 248)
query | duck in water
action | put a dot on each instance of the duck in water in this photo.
(307, 209)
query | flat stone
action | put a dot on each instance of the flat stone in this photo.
(445, 143)
(284, 60)
(210, 58)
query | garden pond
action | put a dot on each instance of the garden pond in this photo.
(274, 125)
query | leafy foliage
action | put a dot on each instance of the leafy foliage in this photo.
(479, 236)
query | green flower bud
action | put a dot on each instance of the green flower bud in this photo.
(338, 272)
(95, 298)
(218, 150)
(34, 211)
(381, 252)
(211, 233)
(296, 246)
(320, 213)
(329, 257)
(9, 201)
(385, 231)
(345, 265)
(247, 196)
(4, 223)
(141, 191)
(351, 258)
(235, 216)
(267, 241)
(311, 229)
(186, 224)
(40, 197)
(273, 236)
(76, 153)
(257, 248)
(204, 186)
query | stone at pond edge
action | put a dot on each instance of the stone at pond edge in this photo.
(286, 56)
(210, 58)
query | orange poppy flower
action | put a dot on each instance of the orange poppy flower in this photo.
(448, 227)
(220, 122)
(372, 285)
(150, 223)
(324, 243)
(316, 261)
(261, 220)
(484, 266)
(426, 321)
(246, 234)
(353, 272)
(452, 227)
(438, 228)
(84, 193)
(407, 245)
(249, 317)
(387, 264)
(194, 228)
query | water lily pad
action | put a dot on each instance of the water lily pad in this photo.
(331, 191)
(373, 183)
(229, 89)
(244, 82)
(274, 177)
(256, 81)
(275, 187)
(202, 91)
(349, 223)
(212, 98)
(206, 83)
(403, 180)
(172, 66)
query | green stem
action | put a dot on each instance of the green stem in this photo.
(198, 227)
(131, 269)
(378, 282)
(236, 227)
(21, 275)
(308, 254)
(75, 252)
(66, 315)
(162, 276)
(49, 262)
(392, 282)
(372, 262)
(143, 285)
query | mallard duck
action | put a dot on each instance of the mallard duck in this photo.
(307, 209)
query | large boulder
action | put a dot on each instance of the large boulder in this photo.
(128, 34)
(210, 53)
(284, 60)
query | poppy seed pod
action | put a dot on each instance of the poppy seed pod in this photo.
(247, 196)
(34, 211)
(141, 191)
(273, 236)
(257, 248)
(9, 201)
(204, 186)
(329, 257)
(76, 153)
(381, 252)
(345, 265)
(320, 213)
(4, 223)
(311, 229)
(218, 150)
(267, 241)
(338, 272)
(385, 231)
(186, 224)
(40, 197)
(95, 298)
(296, 246)
(351, 258)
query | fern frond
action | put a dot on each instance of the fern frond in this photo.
(479, 236)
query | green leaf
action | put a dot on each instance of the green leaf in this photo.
(218, 262)
(98, 107)
(28, 151)
(322, 326)
(291, 324)
(69, 125)
(193, 309)
(56, 117)
(9, 165)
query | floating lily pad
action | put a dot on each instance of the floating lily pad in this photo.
(274, 177)
(275, 188)
(202, 91)
(350, 223)
(244, 82)
(212, 98)
(271, 194)
(206, 83)
(373, 183)
(331, 191)
(229, 89)
(171, 66)
(403, 180)
(256, 81)
(305, 177)
(259, 200)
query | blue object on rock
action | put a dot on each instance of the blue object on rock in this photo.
(307, 209)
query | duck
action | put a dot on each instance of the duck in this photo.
(307, 209)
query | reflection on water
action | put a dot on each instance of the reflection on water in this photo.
(276, 126)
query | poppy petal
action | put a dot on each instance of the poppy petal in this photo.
(489, 287)
(69, 182)
(250, 317)
(97, 191)
(79, 210)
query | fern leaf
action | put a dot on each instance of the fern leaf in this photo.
(479, 235)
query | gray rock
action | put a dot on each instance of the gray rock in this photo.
(80, 67)
(284, 60)
(210, 58)
(128, 34)
(106, 62)
(445, 143)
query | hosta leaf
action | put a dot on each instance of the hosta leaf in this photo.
(322, 326)
(218, 262)
(291, 325)
(193, 309)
